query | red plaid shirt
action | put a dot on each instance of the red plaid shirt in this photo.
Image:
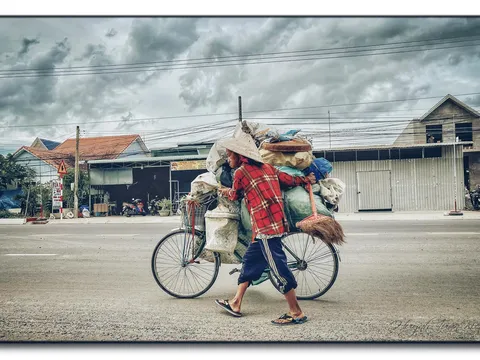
(261, 188)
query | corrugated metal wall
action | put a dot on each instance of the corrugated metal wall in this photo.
(347, 172)
(374, 190)
(111, 176)
(417, 184)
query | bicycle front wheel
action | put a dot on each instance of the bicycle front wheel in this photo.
(313, 263)
(181, 267)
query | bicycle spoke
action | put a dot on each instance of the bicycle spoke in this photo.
(197, 278)
(317, 265)
(315, 276)
(173, 270)
(319, 255)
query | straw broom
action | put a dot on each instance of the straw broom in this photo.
(322, 226)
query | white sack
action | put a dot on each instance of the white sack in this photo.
(332, 189)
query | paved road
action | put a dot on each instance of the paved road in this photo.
(398, 281)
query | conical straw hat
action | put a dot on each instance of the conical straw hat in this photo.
(242, 144)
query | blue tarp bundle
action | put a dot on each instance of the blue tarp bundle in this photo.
(7, 199)
(320, 167)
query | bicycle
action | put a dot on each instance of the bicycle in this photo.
(184, 269)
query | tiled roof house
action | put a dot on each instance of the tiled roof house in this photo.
(45, 162)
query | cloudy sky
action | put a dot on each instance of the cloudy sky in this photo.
(178, 79)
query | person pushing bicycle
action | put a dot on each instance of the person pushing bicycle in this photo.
(259, 183)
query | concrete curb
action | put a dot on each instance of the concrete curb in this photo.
(119, 220)
(411, 216)
(367, 216)
(13, 221)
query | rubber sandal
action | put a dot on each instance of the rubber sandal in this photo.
(289, 320)
(226, 306)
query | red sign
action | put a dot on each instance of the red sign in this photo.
(62, 169)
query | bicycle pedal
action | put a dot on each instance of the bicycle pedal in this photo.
(233, 271)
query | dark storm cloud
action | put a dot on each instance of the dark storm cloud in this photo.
(342, 80)
(92, 50)
(455, 59)
(473, 101)
(50, 99)
(211, 86)
(26, 43)
(160, 39)
(54, 56)
(93, 96)
(24, 96)
(111, 33)
(42, 88)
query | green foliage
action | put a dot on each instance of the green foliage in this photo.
(5, 214)
(83, 185)
(11, 172)
(37, 195)
(165, 204)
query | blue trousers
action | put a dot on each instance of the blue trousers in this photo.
(261, 254)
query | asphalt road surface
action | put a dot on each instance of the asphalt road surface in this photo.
(398, 281)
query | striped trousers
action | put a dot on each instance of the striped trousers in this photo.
(267, 253)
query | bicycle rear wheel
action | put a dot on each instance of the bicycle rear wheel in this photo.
(315, 265)
(181, 267)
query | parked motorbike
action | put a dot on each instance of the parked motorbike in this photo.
(136, 207)
(475, 198)
(154, 206)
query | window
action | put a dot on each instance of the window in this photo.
(367, 155)
(329, 156)
(345, 156)
(433, 133)
(432, 152)
(464, 131)
(395, 154)
(411, 153)
(384, 155)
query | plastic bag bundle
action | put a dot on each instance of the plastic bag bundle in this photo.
(228, 206)
(332, 189)
(224, 175)
(203, 184)
(216, 158)
(256, 130)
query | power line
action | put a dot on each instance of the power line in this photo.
(108, 67)
(358, 103)
(372, 46)
(219, 64)
(234, 113)
(356, 140)
(122, 120)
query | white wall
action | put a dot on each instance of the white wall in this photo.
(133, 150)
(44, 172)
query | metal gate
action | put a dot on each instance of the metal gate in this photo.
(374, 190)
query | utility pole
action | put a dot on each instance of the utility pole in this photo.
(329, 132)
(75, 188)
(240, 108)
(455, 211)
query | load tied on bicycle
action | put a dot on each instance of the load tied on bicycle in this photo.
(264, 195)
